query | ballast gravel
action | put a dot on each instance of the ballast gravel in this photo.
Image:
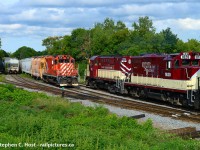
(164, 123)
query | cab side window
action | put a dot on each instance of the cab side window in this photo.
(195, 63)
(176, 64)
(55, 62)
(96, 62)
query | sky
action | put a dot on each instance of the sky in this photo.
(28, 22)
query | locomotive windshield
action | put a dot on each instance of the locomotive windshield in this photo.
(14, 65)
(64, 60)
(61, 61)
(185, 62)
(195, 62)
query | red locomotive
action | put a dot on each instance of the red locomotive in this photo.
(58, 69)
(168, 77)
(61, 69)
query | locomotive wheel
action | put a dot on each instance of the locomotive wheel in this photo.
(164, 97)
(196, 104)
(87, 83)
(185, 102)
(143, 93)
(137, 93)
(132, 92)
(171, 100)
(111, 88)
(90, 84)
(140, 93)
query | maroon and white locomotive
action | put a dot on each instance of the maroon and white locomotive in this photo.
(169, 77)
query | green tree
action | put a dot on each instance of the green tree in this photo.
(109, 24)
(144, 26)
(66, 42)
(157, 41)
(50, 43)
(193, 45)
(3, 54)
(120, 39)
(181, 46)
(24, 52)
(142, 35)
(120, 25)
(80, 39)
(107, 37)
(170, 40)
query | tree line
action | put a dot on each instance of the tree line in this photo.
(112, 38)
(115, 38)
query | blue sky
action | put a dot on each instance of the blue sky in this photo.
(28, 22)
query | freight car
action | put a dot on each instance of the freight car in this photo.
(2, 68)
(58, 69)
(174, 78)
(11, 65)
(25, 65)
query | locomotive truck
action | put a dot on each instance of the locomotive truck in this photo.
(169, 77)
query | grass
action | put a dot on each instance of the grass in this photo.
(24, 75)
(2, 78)
(28, 117)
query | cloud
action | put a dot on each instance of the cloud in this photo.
(189, 24)
(40, 19)
(72, 3)
(96, 3)
(76, 13)
(178, 24)
(18, 30)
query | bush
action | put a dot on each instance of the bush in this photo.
(82, 67)
(37, 118)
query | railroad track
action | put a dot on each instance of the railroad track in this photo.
(105, 98)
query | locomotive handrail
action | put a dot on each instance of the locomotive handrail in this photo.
(186, 73)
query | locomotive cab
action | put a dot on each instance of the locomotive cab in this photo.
(93, 66)
(184, 71)
(61, 70)
(67, 74)
(11, 65)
